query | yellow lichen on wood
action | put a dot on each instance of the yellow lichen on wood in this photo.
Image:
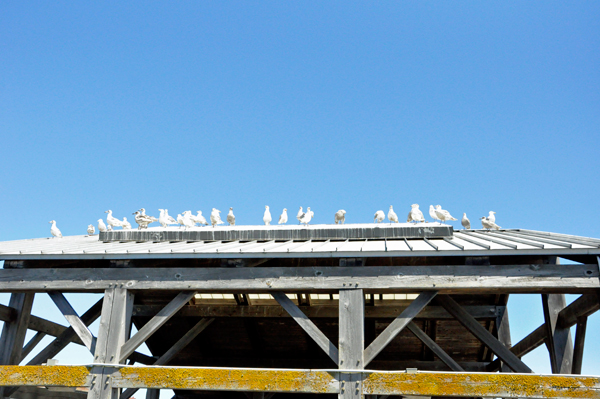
(57, 376)
(226, 379)
(481, 384)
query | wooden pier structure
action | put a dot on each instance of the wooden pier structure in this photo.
(257, 311)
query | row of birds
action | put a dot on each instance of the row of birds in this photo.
(187, 219)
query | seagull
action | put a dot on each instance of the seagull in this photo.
(164, 219)
(466, 223)
(300, 215)
(111, 220)
(231, 217)
(215, 218)
(307, 216)
(91, 230)
(443, 214)
(187, 220)
(142, 220)
(340, 216)
(488, 224)
(283, 218)
(492, 217)
(392, 217)
(180, 220)
(415, 214)
(152, 218)
(433, 214)
(201, 220)
(126, 225)
(101, 226)
(379, 216)
(54, 230)
(267, 216)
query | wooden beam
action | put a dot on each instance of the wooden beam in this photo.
(579, 344)
(435, 348)
(31, 344)
(307, 325)
(395, 327)
(452, 278)
(585, 305)
(75, 322)
(559, 341)
(483, 335)
(503, 331)
(13, 333)
(155, 323)
(351, 342)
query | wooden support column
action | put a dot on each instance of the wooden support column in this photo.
(559, 341)
(351, 342)
(152, 393)
(503, 330)
(579, 341)
(113, 330)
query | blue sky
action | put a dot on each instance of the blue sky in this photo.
(477, 106)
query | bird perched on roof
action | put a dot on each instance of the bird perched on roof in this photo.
(340, 216)
(111, 220)
(443, 214)
(392, 217)
(300, 215)
(125, 224)
(231, 217)
(215, 217)
(164, 219)
(143, 212)
(201, 220)
(101, 226)
(267, 216)
(415, 214)
(180, 220)
(54, 230)
(187, 220)
(142, 220)
(283, 218)
(466, 223)
(307, 217)
(488, 224)
(432, 214)
(91, 230)
(492, 217)
(379, 216)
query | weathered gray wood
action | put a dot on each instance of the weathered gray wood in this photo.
(351, 341)
(152, 393)
(72, 317)
(13, 333)
(307, 325)
(7, 313)
(503, 329)
(579, 344)
(505, 278)
(31, 344)
(174, 350)
(67, 336)
(435, 348)
(44, 393)
(585, 305)
(483, 335)
(559, 338)
(395, 327)
(383, 310)
(155, 323)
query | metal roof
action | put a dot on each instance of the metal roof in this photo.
(461, 243)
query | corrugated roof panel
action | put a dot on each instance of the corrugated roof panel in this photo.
(483, 241)
(374, 245)
(397, 245)
(329, 246)
(420, 245)
(351, 246)
(443, 245)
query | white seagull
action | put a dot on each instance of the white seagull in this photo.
(126, 225)
(340, 216)
(415, 214)
(300, 215)
(443, 214)
(111, 220)
(267, 216)
(488, 224)
(283, 217)
(201, 220)
(379, 216)
(432, 214)
(91, 230)
(164, 219)
(215, 217)
(101, 226)
(307, 216)
(142, 220)
(151, 219)
(466, 223)
(231, 217)
(180, 220)
(54, 230)
(492, 217)
(392, 217)
(187, 219)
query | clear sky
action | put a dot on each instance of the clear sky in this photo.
(477, 106)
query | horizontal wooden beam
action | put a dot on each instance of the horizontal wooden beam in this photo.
(449, 279)
(49, 376)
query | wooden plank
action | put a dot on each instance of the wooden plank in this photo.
(13, 333)
(152, 393)
(155, 323)
(49, 376)
(351, 342)
(559, 341)
(383, 310)
(503, 330)
(7, 314)
(505, 278)
(435, 348)
(31, 344)
(45, 393)
(307, 325)
(483, 335)
(579, 344)
(395, 327)
(75, 322)
(49, 328)
(585, 305)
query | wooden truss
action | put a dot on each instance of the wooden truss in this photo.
(112, 375)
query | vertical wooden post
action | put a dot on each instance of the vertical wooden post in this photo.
(559, 340)
(152, 393)
(579, 341)
(351, 342)
(112, 333)
(503, 329)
